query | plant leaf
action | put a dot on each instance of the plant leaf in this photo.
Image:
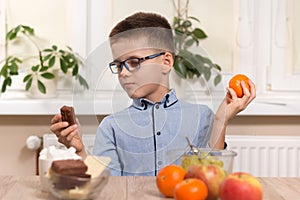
(206, 60)
(178, 30)
(4, 71)
(28, 84)
(3, 88)
(189, 65)
(47, 57)
(48, 50)
(181, 69)
(70, 49)
(187, 23)
(27, 77)
(13, 68)
(51, 61)
(75, 70)
(194, 18)
(6, 82)
(61, 51)
(54, 47)
(11, 35)
(185, 54)
(63, 65)
(83, 82)
(48, 75)
(190, 74)
(217, 79)
(217, 67)
(44, 68)
(176, 20)
(35, 68)
(189, 42)
(207, 73)
(41, 87)
(27, 29)
(199, 33)
(199, 65)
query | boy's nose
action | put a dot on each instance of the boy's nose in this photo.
(124, 71)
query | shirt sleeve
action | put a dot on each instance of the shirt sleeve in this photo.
(105, 145)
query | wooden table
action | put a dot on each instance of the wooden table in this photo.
(28, 187)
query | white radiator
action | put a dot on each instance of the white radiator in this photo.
(266, 156)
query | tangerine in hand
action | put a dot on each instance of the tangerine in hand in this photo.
(168, 177)
(235, 84)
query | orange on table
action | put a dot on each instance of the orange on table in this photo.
(191, 189)
(235, 84)
(168, 177)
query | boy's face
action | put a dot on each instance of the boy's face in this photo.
(151, 78)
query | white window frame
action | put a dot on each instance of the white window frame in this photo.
(282, 78)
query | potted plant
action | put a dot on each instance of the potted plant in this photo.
(45, 61)
(188, 64)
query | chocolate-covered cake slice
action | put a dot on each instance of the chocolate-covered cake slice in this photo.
(69, 167)
(67, 174)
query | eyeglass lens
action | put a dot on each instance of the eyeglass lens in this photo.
(131, 64)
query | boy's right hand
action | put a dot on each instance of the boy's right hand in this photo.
(69, 136)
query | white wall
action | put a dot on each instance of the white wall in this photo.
(48, 18)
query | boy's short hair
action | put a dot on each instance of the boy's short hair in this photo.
(153, 27)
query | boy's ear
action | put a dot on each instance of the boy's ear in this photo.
(168, 61)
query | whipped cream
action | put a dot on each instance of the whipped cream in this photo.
(53, 153)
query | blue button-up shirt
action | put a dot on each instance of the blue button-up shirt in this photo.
(147, 136)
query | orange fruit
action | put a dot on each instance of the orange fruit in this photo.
(168, 177)
(191, 189)
(235, 84)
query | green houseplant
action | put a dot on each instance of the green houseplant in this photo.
(44, 62)
(188, 64)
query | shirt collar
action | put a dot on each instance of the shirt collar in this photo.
(168, 100)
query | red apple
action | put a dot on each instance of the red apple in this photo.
(212, 175)
(240, 186)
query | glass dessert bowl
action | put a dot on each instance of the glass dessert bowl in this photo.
(72, 187)
(223, 158)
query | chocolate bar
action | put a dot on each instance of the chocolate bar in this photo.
(68, 114)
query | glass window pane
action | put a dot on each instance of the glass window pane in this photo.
(296, 36)
(2, 29)
(217, 20)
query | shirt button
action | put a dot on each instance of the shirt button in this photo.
(157, 106)
(159, 162)
(158, 133)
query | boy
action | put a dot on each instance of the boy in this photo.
(152, 132)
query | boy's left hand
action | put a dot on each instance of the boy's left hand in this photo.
(232, 105)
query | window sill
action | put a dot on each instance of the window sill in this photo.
(17, 103)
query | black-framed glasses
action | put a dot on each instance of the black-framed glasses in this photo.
(131, 64)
